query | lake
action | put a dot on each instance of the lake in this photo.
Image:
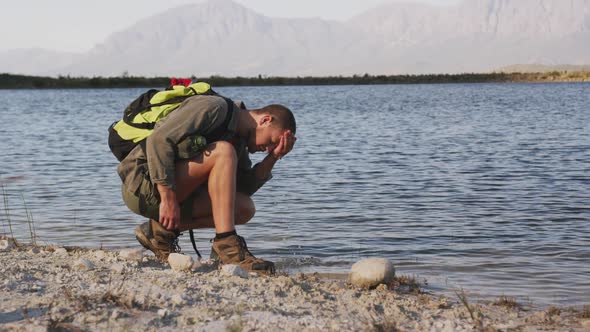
(484, 187)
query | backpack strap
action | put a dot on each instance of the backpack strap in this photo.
(220, 132)
(192, 235)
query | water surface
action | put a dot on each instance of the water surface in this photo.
(483, 186)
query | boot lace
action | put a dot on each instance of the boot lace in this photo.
(244, 249)
(174, 246)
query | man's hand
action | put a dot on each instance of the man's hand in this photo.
(169, 208)
(285, 145)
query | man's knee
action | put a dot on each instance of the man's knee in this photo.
(245, 208)
(223, 150)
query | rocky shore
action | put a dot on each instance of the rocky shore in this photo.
(46, 288)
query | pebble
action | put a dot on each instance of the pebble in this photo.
(83, 264)
(163, 313)
(100, 255)
(371, 272)
(448, 326)
(177, 299)
(134, 255)
(118, 268)
(234, 270)
(180, 262)
(34, 250)
(382, 287)
(115, 314)
(234, 323)
(60, 251)
(6, 244)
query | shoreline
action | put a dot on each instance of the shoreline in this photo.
(14, 81)
(93, 289)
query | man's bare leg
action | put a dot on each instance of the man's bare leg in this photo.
(217, 165)
(203, 215)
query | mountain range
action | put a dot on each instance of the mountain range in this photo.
(221, 37)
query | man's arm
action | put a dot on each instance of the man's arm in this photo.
(263, 169)
(252, 179)
(169, 208)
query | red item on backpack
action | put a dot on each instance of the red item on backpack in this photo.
(180, 81)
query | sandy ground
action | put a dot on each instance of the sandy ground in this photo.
(48, 288)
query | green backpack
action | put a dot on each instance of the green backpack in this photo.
(140, 117)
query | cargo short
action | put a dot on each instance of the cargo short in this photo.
(146, 202)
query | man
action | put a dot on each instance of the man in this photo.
(182, 185)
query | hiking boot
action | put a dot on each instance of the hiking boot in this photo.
(233, 250)
(153, 236)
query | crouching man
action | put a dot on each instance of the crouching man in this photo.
(181, 181)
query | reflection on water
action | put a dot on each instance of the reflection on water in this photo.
(484, 187)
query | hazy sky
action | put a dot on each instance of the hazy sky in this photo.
(77, 25)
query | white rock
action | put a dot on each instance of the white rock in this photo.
(450, 325)
(60, 251)
(180, 262)
(448, 328)
(163, 313)
(100, 255)
(6, 244)
(83, 264)
(115, 314)
(371, 272)
(135, 255)
(177, 299)
(234, 270)
(232, 324)
(117, 268)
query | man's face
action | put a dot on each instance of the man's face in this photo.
(266, 137)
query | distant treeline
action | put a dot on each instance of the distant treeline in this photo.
(10, 81)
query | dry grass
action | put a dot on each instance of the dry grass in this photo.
(59, 325)
(585, 312)
(28, 215)
(56, 322)
(112, 296)
(7, 209)
(382, 325)
(463, 299)
(508, 302)
(30, 221)
(474, 312)
(117, 297)
(408, 283)
(551, 313)
(424, 299)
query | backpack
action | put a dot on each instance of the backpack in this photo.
(140, 117)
